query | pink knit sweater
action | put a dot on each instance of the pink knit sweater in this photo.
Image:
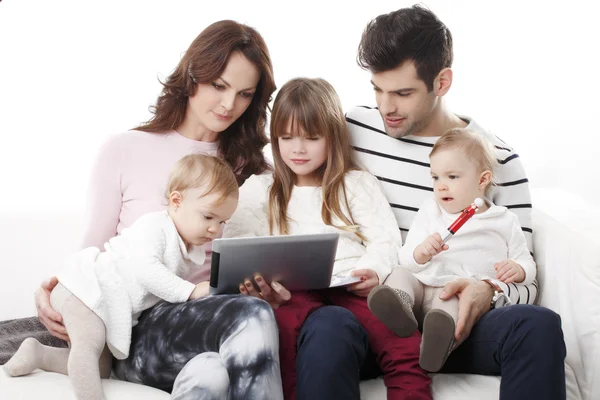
(129, 179)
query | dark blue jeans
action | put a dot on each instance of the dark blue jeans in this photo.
(332, 347)
(522, 343)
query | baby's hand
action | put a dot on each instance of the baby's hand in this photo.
(430, 247)
(200, 290)
(509, 271)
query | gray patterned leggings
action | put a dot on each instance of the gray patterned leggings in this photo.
(217, 347)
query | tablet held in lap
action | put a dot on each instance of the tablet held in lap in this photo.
(298, 262)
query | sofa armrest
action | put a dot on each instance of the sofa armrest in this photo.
(569, 280)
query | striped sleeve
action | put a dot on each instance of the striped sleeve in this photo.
(511, 188)
(519, 294)
(512, 191)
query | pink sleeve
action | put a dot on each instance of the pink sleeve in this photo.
(104, 195)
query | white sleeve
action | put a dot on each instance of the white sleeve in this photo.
(251, 216)
(418, 232)
(372, 213)
(148, 244)
(519, 252)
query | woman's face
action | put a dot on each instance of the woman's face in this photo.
(216, 105)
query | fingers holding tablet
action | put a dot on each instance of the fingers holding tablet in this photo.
(274, 294)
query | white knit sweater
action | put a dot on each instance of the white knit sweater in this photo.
(139, 268)
(369, 207)
(484, 240)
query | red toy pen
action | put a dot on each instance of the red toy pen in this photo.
(464, 216)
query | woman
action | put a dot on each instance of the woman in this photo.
(214, 102)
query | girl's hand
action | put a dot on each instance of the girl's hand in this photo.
(48, 315)
(430, 247)
(274, 294)
(509, 271)
(201, 290)
(368, 280)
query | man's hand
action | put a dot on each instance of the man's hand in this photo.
(430, 247)
(48, 315)
(509, 271)
(274, 294)
(368, 280)
(474, 299)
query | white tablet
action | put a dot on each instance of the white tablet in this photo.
(298, 262)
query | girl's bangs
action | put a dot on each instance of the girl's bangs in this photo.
(304, 117)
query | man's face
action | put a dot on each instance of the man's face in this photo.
(404, 102)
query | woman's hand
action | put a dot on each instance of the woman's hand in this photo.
(274, 294)
(368, 280)
(46, 314)
(201, 290)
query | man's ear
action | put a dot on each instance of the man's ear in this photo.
(485, 179)
(442, 82)
(175, 199)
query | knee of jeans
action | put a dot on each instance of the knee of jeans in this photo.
(334, 325)
(541, 322)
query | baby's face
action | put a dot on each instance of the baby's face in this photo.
(200, 218)
(456, 181)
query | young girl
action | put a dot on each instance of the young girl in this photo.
(317, 188)
(101, 294)
(490, 245)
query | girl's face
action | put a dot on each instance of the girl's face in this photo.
(456, 182)
(303, 154)
(216, 105)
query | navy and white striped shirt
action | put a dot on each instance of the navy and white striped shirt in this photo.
(402, 167)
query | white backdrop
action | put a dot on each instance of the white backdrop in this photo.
(73, 72)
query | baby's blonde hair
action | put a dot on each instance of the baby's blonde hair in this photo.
(203, 171)
(476, 148)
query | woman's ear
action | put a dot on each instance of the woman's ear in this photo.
(485, 179)
(175, 199)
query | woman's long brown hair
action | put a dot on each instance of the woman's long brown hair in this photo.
(314, 109)
(205, 60)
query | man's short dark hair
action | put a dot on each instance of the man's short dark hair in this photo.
(408, 34)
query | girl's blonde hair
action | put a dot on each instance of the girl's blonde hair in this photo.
(313, 107)
(202, 171)
(476, 148)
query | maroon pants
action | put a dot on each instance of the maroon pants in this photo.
(398, 358)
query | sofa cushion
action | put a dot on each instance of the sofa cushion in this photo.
(444, 387)
(52, 386)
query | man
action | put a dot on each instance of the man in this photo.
(409, 54)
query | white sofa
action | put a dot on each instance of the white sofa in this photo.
(567, 248)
